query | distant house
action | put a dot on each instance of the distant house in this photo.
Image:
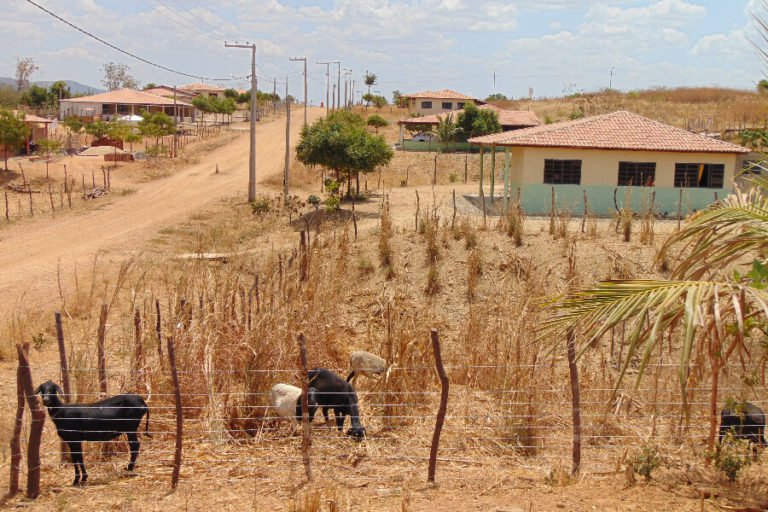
(201, 89)
(168, 92)
(612, 157)
(110, 105)
(38, 130)
(436, 102)
(509, 119)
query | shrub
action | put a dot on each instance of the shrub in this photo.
(314, 200)
(433, 280)
(260, 206)
(332, 203)
(646, 461)
(732, 457)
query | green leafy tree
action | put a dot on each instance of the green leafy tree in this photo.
(376, 121)
(204, 105)
(379, 101)
(9, 97)
(59, 90)
(119, 131)
(231, 93)
(48, 147)
(476, 122)
(341, 144)
(227, 107)
(446, 129)
(368, 98)
(13, 133)
(398, 99)
(715, 309)
(150, 85)
(244, 97)
(35, 96)
(496, 97)
(97, 129)
(156, 125)
(370, 80)
(762, 86)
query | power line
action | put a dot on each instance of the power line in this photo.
(126, 52)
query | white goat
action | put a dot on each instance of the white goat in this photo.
(286, 401)
(365, 363)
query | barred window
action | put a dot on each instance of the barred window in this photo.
(426, 104)
(697, 175)
(637, 174)
(447, 105)
(562, 172)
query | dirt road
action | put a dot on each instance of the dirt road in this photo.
(30, 252)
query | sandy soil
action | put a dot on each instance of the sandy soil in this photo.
(31, 250)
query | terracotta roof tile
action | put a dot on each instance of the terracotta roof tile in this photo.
(619, 130)
(201, 87)
(127, 97)
(168, 92)
(523, 118)
(446, 94)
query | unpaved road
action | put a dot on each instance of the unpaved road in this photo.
(30, 251)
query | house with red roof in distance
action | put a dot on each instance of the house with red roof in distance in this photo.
(509, 119)
(611, 159)
(436, 102)
(111, 105)
(168, 92)
(201, 89)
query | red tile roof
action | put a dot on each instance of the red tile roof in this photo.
(31, 118)
(444, 94)
(201, 87)
(520, 118)
(168, 92)
(619, 130)
(127, 97)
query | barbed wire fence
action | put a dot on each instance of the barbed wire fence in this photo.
(482, 427)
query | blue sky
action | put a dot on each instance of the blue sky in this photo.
(551, 46)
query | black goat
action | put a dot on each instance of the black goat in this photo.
(334, 393)
(744, 421)
(99, 421)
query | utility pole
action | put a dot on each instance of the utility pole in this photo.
(327, 65)
(610, 84)
(305, 84)
(287, 142)
(252, 153)
(333, 96)
(175, 123)
(347, 87)
(338, 84)
(274, 96)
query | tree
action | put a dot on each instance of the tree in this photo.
(398, 99)
(48, 146)
(231, 93)
(24, 69)
(156, 125)
(379, 101)
(376, 121)
(35, 96)
(370, 80)
(476, 122)
(446, 129)
(150, 85)
(716, 308)
(73, 125)
(368, 98)
(59, 90)
(340, 143)
(13, 132)
(496, 97)
(97, 129)
(227, 107)
(117, 76)
(9, 96)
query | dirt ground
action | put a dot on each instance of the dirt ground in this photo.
(181, 211)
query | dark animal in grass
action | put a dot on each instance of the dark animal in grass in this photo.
(100, 421)
(744, 421)
(334, 393)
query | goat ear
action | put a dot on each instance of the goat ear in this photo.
(37, 390)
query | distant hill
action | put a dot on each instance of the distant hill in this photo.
(74, 87)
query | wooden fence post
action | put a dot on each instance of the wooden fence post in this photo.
(453, 219)
(13, 485)
(575, 402)
(306, 441)
(303, 258)
(179, 415)
(36, 428)
(159, 332)
(62, 358)
(7, 213)
(102, 338)
(138, 350)
(443, 405)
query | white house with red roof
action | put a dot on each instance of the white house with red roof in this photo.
(610, 156)
(121, 102)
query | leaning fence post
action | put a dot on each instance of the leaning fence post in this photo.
(306, 441)
(443, 405)
(36, 428)
(13, 486)
(159, 332)
(575, 401)
(138, 349)
(179, 415)
(64, 375)
(102, 337)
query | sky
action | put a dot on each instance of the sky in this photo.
(552, 47)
